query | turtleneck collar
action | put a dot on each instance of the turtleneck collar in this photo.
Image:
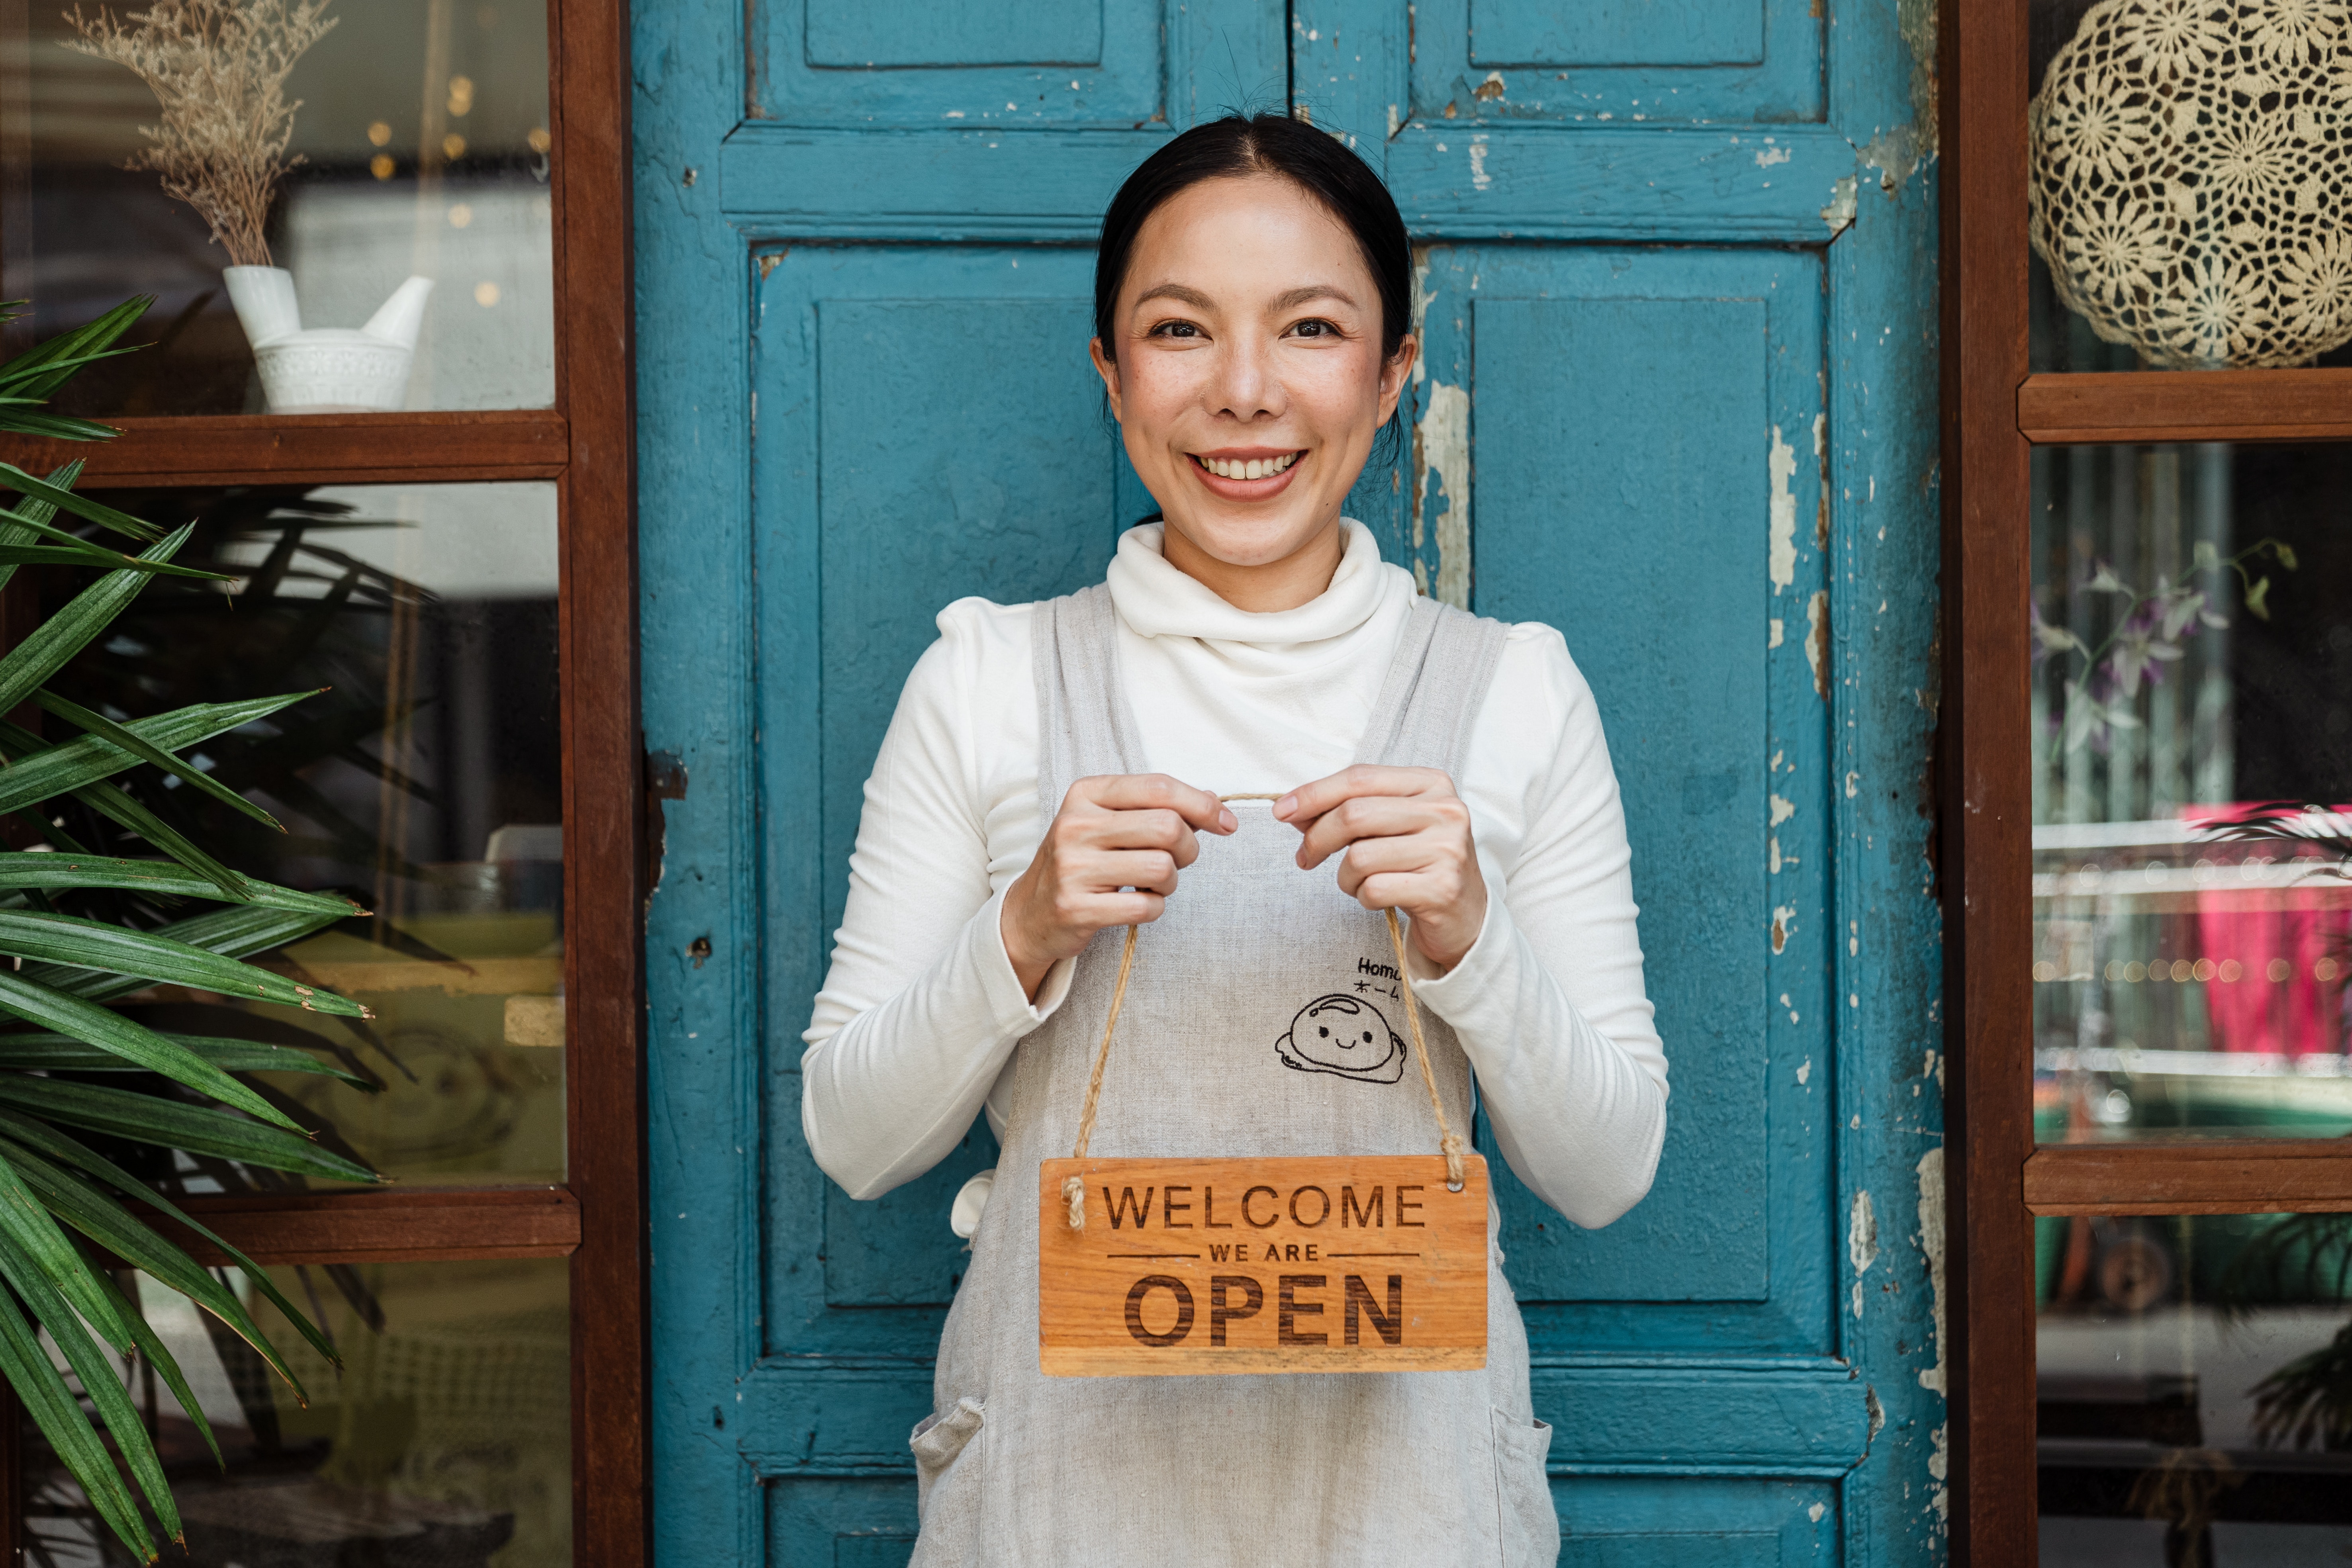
(1156, 600)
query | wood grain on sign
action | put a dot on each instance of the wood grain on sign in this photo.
(1330, 1264)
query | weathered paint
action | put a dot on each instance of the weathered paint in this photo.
(1440, 455)
(1931, 1245)
(1782, 562)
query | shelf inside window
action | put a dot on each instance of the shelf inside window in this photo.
(2077, 409)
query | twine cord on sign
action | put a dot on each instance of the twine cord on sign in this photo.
(1073, 1188)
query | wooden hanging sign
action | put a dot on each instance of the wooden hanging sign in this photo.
(1338, 1264)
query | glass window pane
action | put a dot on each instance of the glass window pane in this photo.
(2193, 667)
(422, 779)
(444, 1439)
(2190, 1387)
(2188, 176)
(423, 137)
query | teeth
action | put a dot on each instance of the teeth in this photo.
(1254, 468)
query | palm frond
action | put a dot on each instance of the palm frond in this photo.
(65, 1209)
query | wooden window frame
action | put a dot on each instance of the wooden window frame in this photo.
(585, 443)
(1995, 412)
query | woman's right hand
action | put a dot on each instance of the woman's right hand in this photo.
(1109, 858)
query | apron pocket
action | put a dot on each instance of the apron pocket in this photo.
(1528, 1525)
(947, 1481)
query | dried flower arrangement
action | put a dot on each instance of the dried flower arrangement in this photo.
(219, 69)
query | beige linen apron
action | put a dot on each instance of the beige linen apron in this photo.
(1221, 1051)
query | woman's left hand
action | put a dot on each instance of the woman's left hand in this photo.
(1407, 839)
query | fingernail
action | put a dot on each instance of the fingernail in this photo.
(1285, 805)
(1227, 820)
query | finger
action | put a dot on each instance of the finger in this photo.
(1311, 800)
(1157, 792)
(1415, 856)
(1107, 870)
(1390, 891)
(1363, 818)
(1160, 829)
(1135, 909)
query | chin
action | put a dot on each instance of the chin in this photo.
(1249, 542)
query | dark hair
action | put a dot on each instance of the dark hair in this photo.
(1312, 160)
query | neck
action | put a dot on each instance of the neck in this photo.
(1296, 579)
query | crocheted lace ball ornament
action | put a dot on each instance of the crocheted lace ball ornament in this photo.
(2188, 166)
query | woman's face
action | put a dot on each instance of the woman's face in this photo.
(1249, 345)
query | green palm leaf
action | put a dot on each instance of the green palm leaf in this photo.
(59, 1415)
(129, 740)
(81, 506)
(63, 1052)
(35, 770)
(54, 1281)
(39, 370)
(118, 950)
(59, 1198)
(49, 871)
(148, 1119)
(80, 1203)
(63, 634)
(72, 1151)
(233, 932)
(110, 1031)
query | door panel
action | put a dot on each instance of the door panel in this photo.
(878, 502)
(1654, 1522)
(1023, 64)
(1631, 513)
(1641, 61)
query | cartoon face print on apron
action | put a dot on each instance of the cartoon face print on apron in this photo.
(1359, 1469)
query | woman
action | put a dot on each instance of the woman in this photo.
(1053, 774)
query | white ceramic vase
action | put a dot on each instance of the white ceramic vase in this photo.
(326, 370)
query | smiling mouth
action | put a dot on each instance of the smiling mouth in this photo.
(1248, 468)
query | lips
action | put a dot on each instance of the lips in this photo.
(1246, 475)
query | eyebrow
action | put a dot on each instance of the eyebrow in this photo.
(1285, 301)
(1192, 297)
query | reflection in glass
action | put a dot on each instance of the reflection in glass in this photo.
(424, 134)
(2193, 661)
(2195, 1390)
(424, 781)
(445, 1439)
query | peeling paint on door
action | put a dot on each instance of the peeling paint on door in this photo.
(1931, 1245)
(1441, 447)
(1839, 212)
(1817, 639)
(1782, 563)
(1862, 1241)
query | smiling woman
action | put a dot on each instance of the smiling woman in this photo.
(1250, 326)
(1055, 772)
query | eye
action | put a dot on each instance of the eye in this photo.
(1321, 1032)
(1367, 1036)
(1175, 329)
(1316, 327)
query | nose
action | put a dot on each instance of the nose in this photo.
(1246, 386)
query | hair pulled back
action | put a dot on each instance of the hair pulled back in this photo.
(1314, 161)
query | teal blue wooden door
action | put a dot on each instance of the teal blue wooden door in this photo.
(1676, 289)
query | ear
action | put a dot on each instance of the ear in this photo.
(1393, 374)
(1108, 368)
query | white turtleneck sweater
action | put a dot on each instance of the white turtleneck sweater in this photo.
(916, 1026)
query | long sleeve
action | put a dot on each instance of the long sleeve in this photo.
(1548, 1003)
(921, 1009)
